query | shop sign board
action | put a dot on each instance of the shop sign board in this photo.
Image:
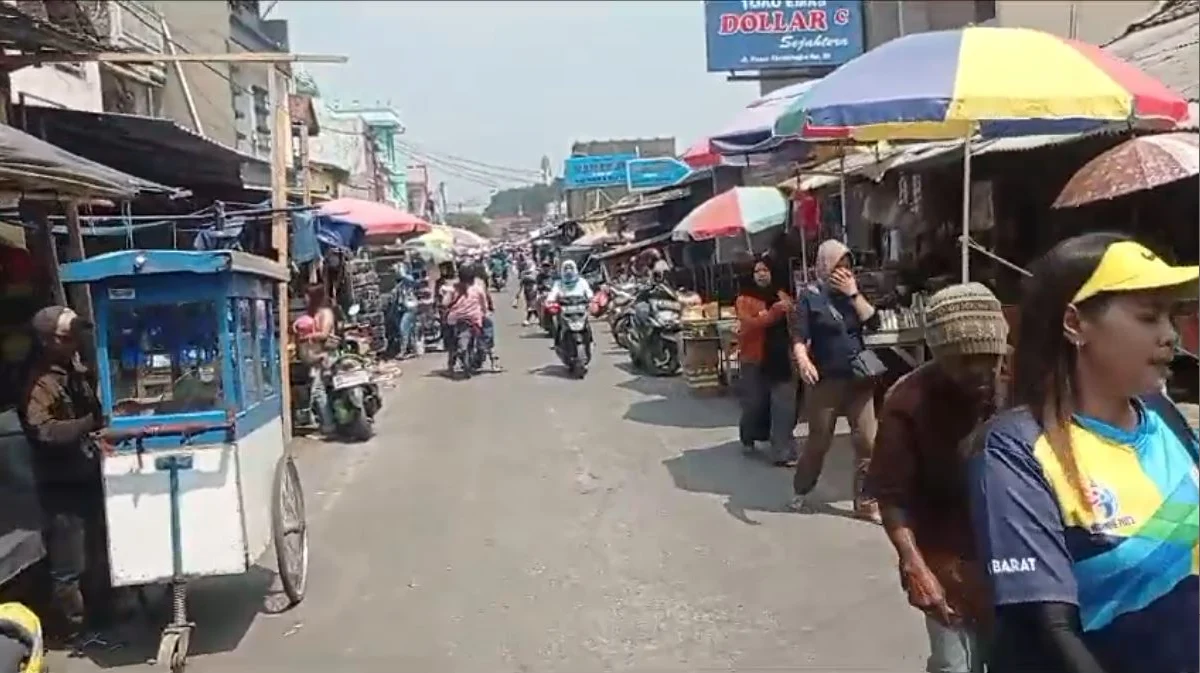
(655, 172)
(600, 170)
(782, 34)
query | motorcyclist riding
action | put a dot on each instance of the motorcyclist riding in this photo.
(569, 284)
(527, 290)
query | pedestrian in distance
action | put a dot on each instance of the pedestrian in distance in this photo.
(1084, 494)
(839, 371)
(918, 471)
(768, 382)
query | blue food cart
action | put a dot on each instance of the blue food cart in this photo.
(198, 480)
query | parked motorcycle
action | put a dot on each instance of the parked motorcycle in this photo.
(467, 351)
(575, 335)
(620, 312)
(656, 331)
(353, 394)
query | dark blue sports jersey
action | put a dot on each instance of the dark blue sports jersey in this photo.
(1124, 550)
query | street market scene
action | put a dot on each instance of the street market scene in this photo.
(793, 335)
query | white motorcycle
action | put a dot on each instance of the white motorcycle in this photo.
(575, 335)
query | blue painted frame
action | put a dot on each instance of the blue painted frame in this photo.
(171, 276)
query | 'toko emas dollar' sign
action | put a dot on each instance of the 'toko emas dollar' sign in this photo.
(783, 20)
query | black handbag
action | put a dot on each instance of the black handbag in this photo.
(865, 364)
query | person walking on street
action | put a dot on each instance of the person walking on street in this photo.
(59, 409)
(316, 348)
(918, 471)
(768, 383)
(1084, 493)
(838, 370)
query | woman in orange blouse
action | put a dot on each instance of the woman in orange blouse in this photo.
(768, 382)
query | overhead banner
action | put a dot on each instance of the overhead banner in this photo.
(782, 34)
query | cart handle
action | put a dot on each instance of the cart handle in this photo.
(109, 437)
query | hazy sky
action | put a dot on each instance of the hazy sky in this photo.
(505, 83)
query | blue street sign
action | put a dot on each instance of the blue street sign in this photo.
(601, 170)
(771, 34)
(655, 172)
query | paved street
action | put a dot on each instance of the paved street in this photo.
(522, 521)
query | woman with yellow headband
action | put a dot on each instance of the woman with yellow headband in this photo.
(1084, 495)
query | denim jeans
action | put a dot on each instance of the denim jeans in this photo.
(318, 398)
(408, 324)
(953, 650)
(489, 333)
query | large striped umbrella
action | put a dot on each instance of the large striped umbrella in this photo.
(741, 211)
(991, 81)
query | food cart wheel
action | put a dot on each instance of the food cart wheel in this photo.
(172, 650)
(290, 530)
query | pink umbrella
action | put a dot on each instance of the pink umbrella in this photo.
(376, 219)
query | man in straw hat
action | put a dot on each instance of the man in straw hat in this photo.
(918, 472)
(59, 409)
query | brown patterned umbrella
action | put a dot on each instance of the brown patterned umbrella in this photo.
(1134, 165)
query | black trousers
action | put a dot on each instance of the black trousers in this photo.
(76, 553)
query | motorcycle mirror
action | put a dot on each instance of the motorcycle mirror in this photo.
(353, 311)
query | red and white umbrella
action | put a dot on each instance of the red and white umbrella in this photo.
(377, 219)
(1133, 166)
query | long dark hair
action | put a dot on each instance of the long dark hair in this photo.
(1044, 360)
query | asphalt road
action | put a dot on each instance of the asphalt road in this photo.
(526, 522)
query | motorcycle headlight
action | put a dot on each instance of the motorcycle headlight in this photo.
(667, 316)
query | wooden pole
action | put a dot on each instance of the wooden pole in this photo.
(46, 249)
(281, 135)
(306, 186)
(80, 293)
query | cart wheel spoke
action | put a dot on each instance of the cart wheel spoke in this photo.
(290, 530)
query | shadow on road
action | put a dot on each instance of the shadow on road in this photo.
(553, 370)
(679, 409)
(753, 485)
(222, 609)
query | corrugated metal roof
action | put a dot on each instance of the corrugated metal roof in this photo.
(1166, 45)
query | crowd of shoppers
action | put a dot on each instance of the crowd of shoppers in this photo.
(1043, 524)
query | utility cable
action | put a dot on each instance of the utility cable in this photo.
(417, 147)
(494, 176)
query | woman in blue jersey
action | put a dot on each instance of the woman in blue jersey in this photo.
(1084, 494)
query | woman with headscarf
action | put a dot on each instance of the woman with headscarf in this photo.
(1084, 494)
(768, 383)
(569, 284)
(838, 370)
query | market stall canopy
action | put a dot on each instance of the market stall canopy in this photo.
(464, 238)
(594, 239)
(1133, 166)
(701, 155)
(753, 129)
(429, 250)
(994, 81)
(148, 147)
(29, 165)
(631, 248)
(376, 219)
(741, 211)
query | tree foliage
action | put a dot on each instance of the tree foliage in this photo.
(530, 201)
